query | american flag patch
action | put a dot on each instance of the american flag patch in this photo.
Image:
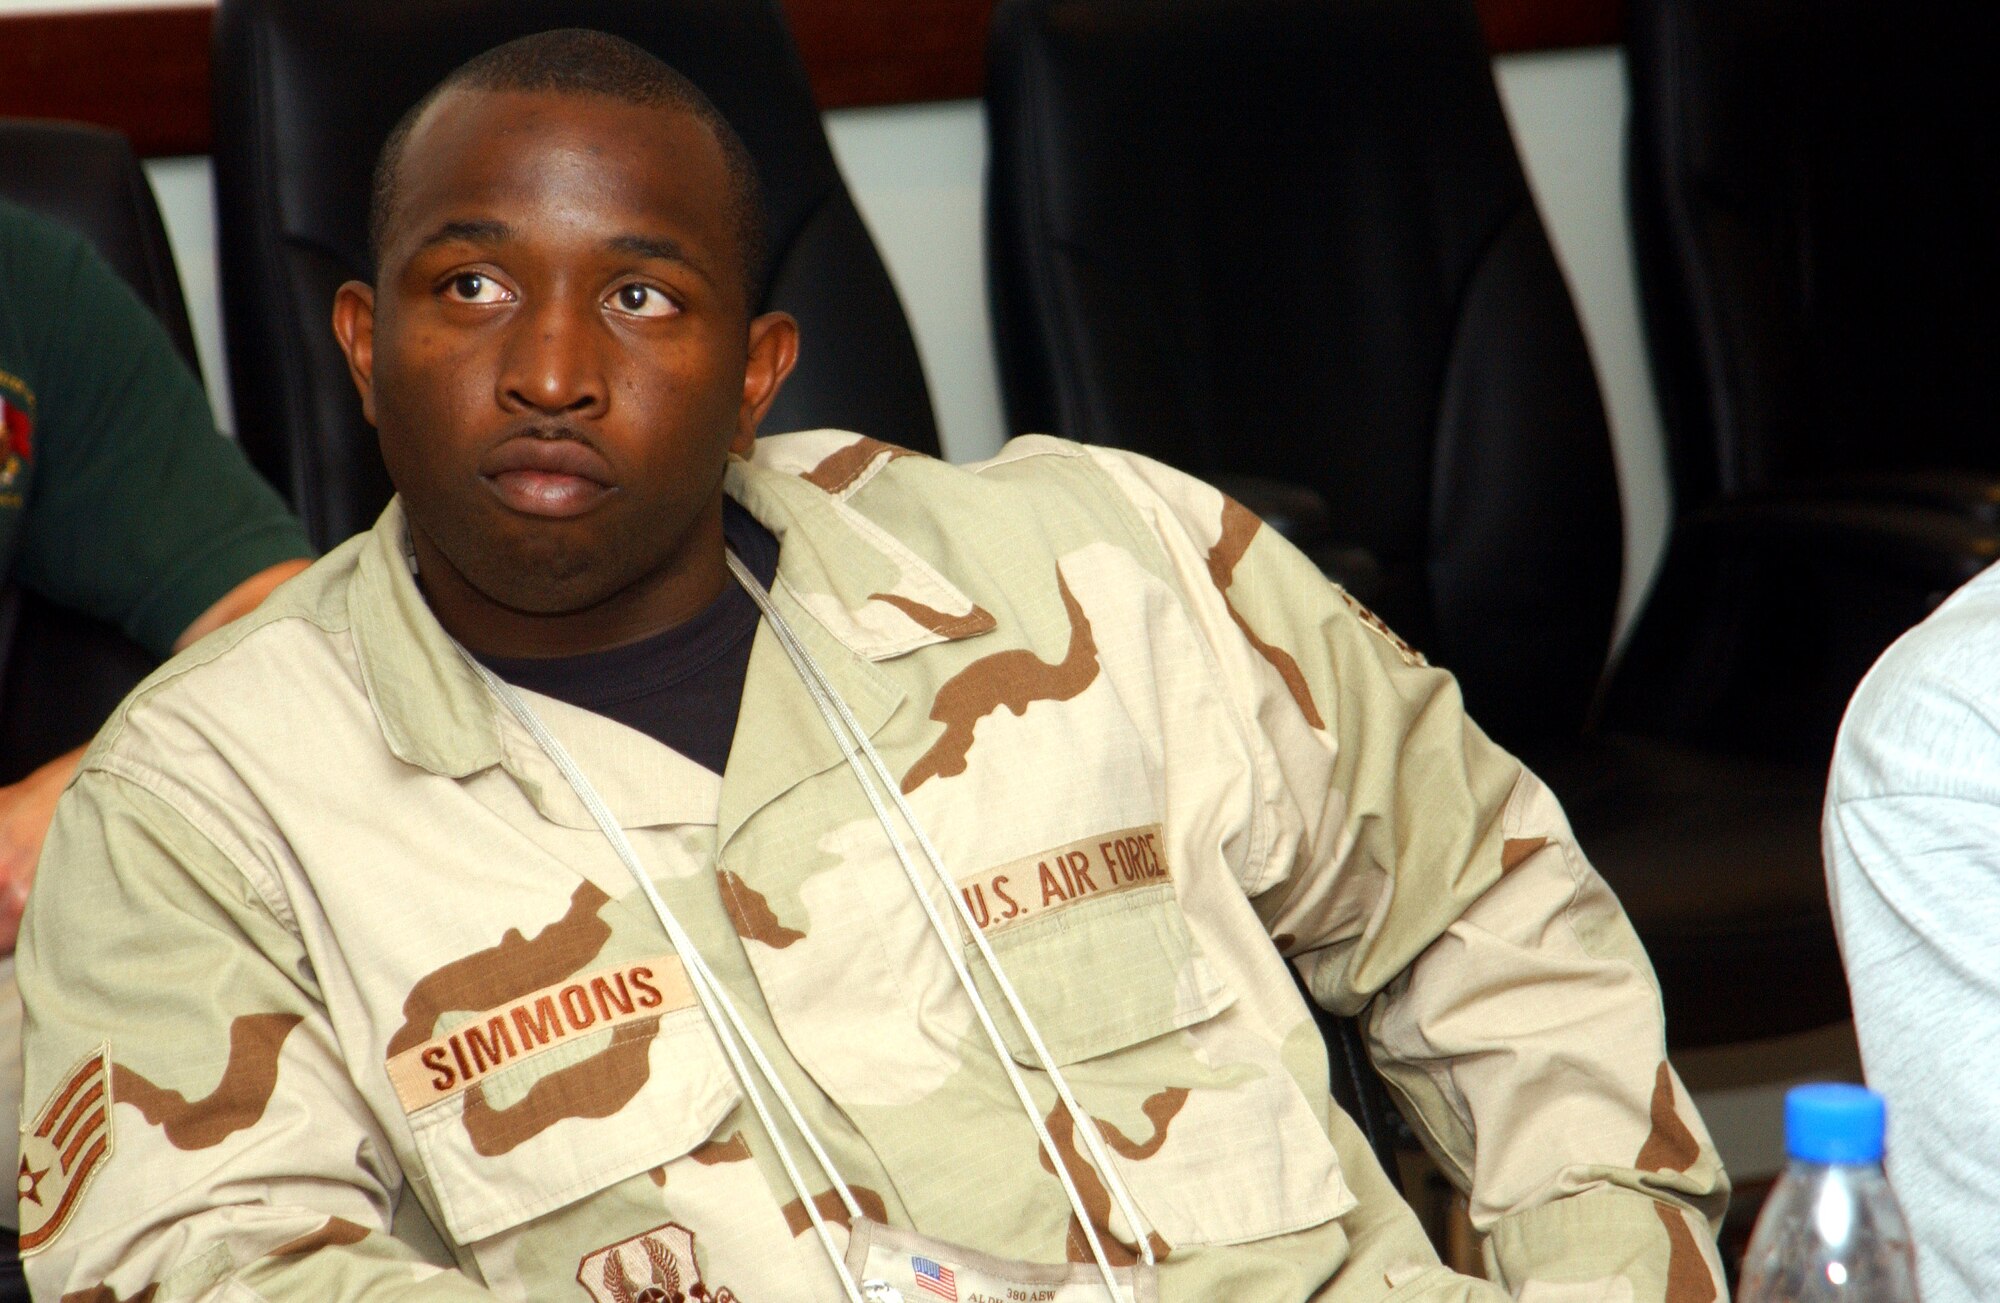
(935, 1278)
(19, 428)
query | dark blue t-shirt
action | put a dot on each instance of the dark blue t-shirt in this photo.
(681, 687)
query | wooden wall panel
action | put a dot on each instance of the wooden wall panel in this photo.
(145, 71)
(861, 52)
(1517, 26)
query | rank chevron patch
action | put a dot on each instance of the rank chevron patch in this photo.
(64, 1146)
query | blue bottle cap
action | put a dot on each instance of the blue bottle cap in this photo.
(1833, 1122)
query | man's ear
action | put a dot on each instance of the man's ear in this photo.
(354, 327)
(774, 350)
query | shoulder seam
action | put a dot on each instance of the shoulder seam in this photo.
(232, 848)
(200, 656)
(1022, 447)
(1139, 521)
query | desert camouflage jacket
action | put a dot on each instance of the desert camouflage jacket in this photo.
(335, 989)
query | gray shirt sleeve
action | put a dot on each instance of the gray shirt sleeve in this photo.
(1912, 839)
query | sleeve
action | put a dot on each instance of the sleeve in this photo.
(190, 1127)
(141, 514)
(1420, 877)
(1912, 837)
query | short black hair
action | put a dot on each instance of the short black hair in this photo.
(579, 61)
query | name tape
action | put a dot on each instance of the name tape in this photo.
(449, 1065)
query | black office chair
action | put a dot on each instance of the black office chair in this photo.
(1290, 240)
(1813, 218)
(62, 674)
(305, 92)
(1813, 214)
(1286, 246)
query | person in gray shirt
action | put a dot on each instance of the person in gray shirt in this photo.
(1912, 839)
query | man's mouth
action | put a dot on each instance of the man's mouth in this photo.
(554, 477)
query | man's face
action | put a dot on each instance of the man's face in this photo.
(558, 359)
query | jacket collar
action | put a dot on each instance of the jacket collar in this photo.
(854, 594)
(863, 585)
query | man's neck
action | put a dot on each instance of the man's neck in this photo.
(682, 688)
(654, 603)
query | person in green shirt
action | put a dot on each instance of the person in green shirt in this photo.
(118, 499)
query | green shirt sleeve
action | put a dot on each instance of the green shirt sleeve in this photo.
(141, 513)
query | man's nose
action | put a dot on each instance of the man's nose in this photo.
(553, 362)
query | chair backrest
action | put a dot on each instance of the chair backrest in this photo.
(62, 674)
(307, 90)
(1814, 217)
(1291, 238)
(88, 179)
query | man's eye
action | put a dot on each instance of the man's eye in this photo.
(471, 287)
(642, 301)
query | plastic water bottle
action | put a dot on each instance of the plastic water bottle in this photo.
(1831, 1229)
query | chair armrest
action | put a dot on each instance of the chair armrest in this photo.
(1973, 496)
(1768, 611)
(1928, 541)
(1301, 515)
(1298, 512)
(62, 674)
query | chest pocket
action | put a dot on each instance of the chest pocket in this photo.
(522, 1110)
(1209, 1129)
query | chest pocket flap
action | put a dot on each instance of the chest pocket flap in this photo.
(1107, 974)
(517, 1111)
(1198, 1106)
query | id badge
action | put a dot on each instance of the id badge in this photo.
(898, 1266)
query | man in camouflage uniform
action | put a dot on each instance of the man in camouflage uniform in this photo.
(339, 989)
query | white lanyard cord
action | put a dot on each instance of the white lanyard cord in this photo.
(715, 1001)
(957, 962)
(830, 703)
